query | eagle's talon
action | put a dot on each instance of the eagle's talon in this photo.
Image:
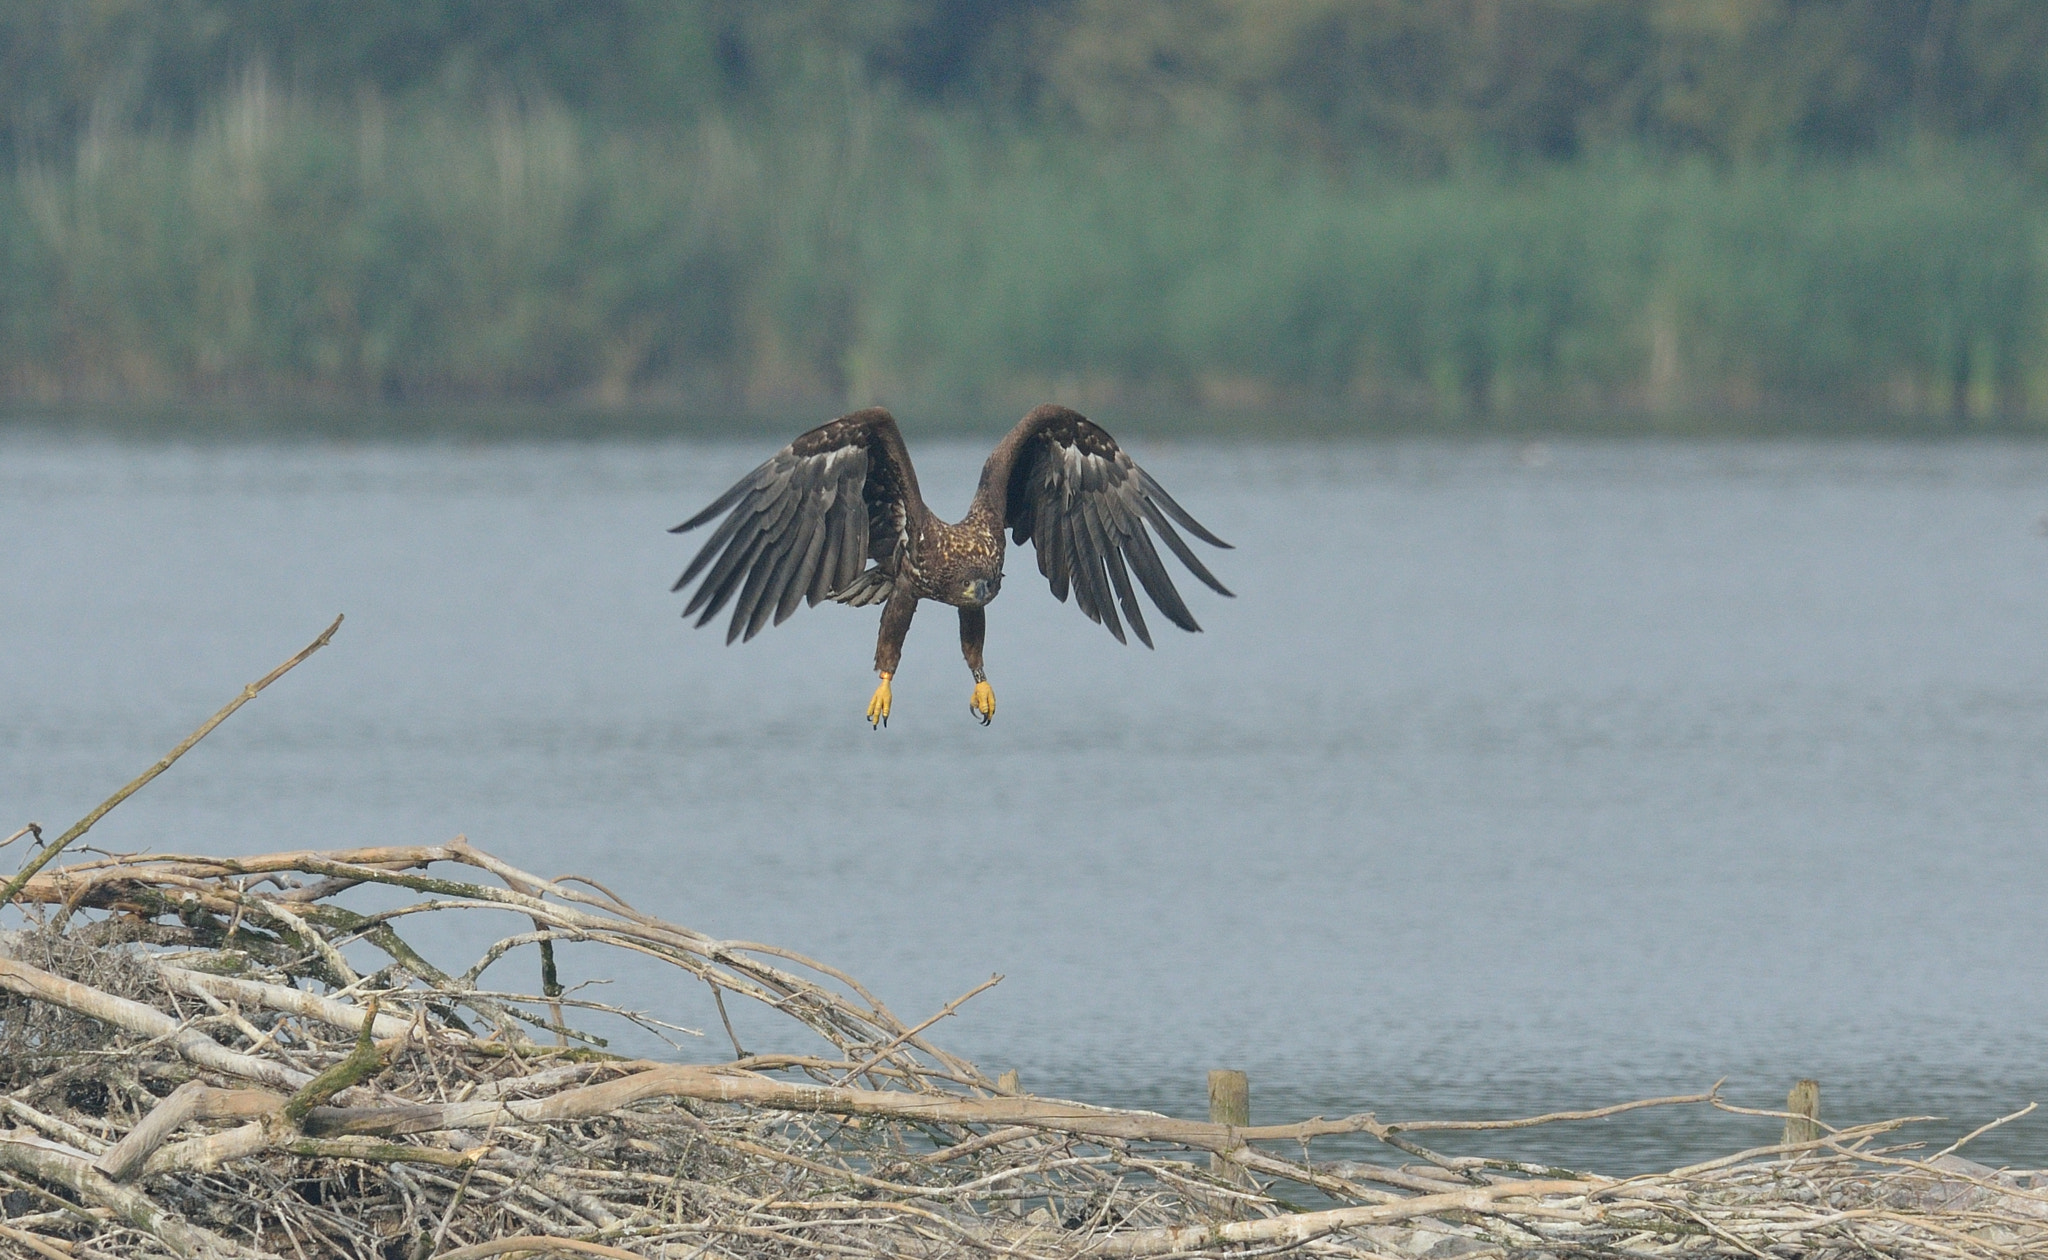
(878, 705)
(983, 704)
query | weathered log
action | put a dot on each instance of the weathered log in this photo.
(201, 1050)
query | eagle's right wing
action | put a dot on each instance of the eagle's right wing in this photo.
(802, 526)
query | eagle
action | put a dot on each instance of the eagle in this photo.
(837, 515)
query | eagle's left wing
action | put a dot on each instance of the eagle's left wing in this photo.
(1075, 492)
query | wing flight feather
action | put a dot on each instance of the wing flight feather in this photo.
(1075, 493)
(799, 528)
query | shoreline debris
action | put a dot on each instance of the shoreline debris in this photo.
(190, 1065)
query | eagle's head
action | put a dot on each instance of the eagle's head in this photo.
(981, 589)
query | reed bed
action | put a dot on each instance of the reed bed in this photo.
(197, 1061)
(851, 249)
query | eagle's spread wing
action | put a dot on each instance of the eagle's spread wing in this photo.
(1084, 501)
(802, 525)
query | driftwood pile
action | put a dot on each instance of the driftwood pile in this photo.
(191, 1065)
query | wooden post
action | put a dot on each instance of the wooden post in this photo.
(1008, 1083)
(1230, 1102)
(1804, 1104)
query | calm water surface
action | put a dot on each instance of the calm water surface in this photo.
(1515, 779)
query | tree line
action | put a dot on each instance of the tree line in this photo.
(1432, 82)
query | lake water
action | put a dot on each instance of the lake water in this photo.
(1516, 778)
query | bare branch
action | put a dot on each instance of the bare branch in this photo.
(140, 781)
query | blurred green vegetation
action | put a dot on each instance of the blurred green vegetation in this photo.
(1443, 211)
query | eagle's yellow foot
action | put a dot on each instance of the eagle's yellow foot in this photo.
(878, 706)
(983, 705)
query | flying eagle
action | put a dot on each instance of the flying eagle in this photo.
(803, 526)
